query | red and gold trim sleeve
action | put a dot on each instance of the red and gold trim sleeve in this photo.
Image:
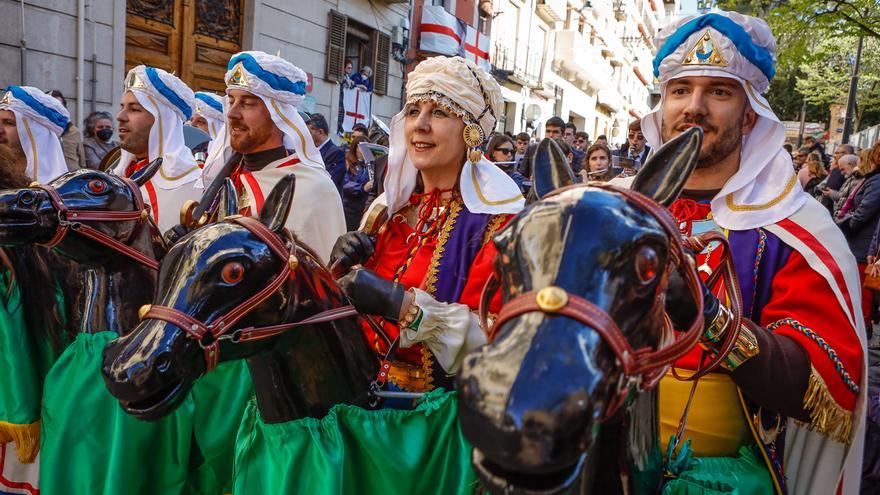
(804, 307)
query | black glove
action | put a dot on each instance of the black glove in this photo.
(372, 294)
(352, 248)
(174, 234)
(681, 307)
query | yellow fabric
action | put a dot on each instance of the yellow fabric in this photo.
(715, 425)
(26, 438)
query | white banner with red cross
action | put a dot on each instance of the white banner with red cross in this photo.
(441, 32)
(476, 48)
(356, 105)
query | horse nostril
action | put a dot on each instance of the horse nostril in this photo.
(162, 362)
(27, 197)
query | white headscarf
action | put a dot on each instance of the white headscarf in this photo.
(282, 87)
(210, 106)
(170, 101)
(40, 120)
(469, 92)
(726, 44)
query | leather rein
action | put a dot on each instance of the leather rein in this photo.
(71, 219)
(209, 335)
(644, 366)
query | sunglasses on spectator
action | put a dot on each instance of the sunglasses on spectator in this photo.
(506, 151)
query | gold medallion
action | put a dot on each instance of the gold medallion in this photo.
(239, 76)
(473, 135)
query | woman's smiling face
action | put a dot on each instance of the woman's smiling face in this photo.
(433, 136)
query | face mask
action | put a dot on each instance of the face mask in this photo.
(104, 134)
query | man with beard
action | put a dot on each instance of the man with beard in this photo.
(788, 404)
(263, 92)
(154, 107)
(31, 123)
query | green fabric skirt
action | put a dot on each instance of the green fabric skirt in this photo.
(25, 358)
(91, 446)
(745, 474)
(355, 451)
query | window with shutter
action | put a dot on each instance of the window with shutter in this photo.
(338, 25)
(381, 44)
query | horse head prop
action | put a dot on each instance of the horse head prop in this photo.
(583, 274)
(105, 212)
(236, 289)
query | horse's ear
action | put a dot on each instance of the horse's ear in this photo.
(228, 200)
(550, 168)
(277, 206)
(143, 175)
(664, 174)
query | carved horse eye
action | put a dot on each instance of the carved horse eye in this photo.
(647, 264)
(97, 186)
(232, 273)
(26, 197)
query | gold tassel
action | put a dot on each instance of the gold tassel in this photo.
(826, 415)
(26, 438)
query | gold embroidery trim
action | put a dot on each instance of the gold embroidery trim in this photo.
(302, 139)
(493, 227)
(442, 238)
(771, 203)
(826, 415)
(757, 100)
(483, 198)
(27, 128)
(413, 377)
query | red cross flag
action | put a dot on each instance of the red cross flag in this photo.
(441, 32)
(356, 104)
(476, 48)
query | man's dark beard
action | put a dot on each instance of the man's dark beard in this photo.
(729, 139)
(137, 141)
(13, 159)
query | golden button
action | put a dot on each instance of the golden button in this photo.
(551, 299)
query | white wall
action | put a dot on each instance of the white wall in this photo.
(299, 30)
(50, 29)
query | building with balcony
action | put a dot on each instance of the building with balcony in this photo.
(588, 62)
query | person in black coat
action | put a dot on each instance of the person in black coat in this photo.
(333, 156)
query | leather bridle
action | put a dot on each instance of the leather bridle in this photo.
(643, 366)
(71, 219)
(209, 335)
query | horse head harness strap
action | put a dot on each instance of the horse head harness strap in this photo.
(634, 362)
(71, 219)
(209, 335)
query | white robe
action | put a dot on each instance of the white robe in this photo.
(316, 215)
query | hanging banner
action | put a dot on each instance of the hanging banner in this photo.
(441, 32)
(476, 48)
(356, 105)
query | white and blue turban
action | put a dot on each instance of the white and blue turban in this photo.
(282, 87)
(739, 47)
(40, 120)
(210, 106)
(170, 101)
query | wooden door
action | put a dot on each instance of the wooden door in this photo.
(193, 39)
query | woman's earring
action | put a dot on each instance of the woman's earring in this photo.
(473, 137)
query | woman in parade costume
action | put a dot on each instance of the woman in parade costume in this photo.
(424, 272)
